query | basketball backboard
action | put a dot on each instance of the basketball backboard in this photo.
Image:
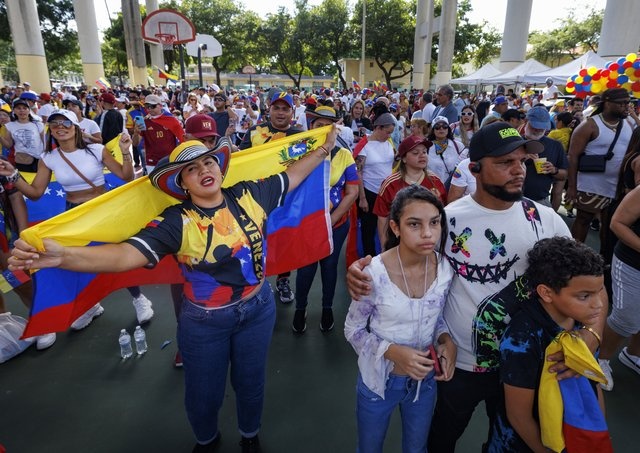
(210, 46)
(167, 27)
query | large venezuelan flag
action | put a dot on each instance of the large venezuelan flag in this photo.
(299, 232)
(570, 417)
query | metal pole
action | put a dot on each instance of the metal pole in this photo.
(364, 31)
(183, 72)
(200, 64)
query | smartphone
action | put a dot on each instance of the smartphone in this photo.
(139, 120)
(437, 366)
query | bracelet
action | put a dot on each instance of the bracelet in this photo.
(13, 177)
(324, 150)
(594, 333)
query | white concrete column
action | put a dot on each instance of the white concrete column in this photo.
(446, 42)
(516, 34)
(428, 42)
(90, 51)
(619, 34)
(156, 51)
(27, 43)
(136, 60)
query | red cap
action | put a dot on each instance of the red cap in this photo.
(311, 101)
(411, 142)
(201, 126)
(45, 96)
(108, 97)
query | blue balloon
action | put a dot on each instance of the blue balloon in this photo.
(636, 64)
(579, 88)
(621, 70)
(621, 60)
(623, 79)
(587, 78)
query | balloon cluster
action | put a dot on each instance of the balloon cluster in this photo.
(622, 73)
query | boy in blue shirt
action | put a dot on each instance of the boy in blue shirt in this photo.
(567, 292)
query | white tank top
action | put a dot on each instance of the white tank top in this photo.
(88, 162)
(605, 183)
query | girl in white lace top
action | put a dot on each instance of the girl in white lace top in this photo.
(393, 328)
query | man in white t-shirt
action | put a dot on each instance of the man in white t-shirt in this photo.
(550, 91)
(489, 235)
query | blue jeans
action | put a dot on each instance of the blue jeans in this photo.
(209, 341)
(328, 271)
(374, 413)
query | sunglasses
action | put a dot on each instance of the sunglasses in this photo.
(467, 114)
(621, 102)
(60, 123)
(218, 99)
(151, 106)
(437, 127)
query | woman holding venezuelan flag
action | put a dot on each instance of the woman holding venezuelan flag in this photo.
(217, 236)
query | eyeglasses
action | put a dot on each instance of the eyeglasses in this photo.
(466, 114)
(151, 106)
(438, 127)
(54, 124)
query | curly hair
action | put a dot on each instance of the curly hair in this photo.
(554, 261)
(404, 197)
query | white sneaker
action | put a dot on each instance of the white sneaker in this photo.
(84, 320)
(45, 341)
(630, 360)
(608, 373)
(144, 312)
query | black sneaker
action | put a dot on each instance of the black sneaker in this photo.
(250, 444)
(595, 225)
(284, 290)
(326, 322)
(299, 324)
(208, 448)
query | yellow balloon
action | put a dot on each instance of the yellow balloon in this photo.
(627, 86)
(613, 75)
(636, 94)
(596, 88)
(631, 57)
(579, 80)
(591, 70)
(570, 89)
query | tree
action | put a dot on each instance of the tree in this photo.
(332, 39)
(286, 40)
(390, 31)
(60, 40)
(231, 25)
(571, 39)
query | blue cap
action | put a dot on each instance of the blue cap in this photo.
(539, 118)
(282, 96)
(29, 96)
(499, 100)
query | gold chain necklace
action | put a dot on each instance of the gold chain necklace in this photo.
(609, 125)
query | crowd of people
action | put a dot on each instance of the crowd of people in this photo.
(452, 202)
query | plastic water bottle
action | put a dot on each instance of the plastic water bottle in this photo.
(126, 350)
(141, 340)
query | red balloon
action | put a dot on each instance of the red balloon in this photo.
(581, 94)
(612, 84)
(627, 64)
(637, 73)
(571, 84)
(613, 67)
(583, 72)
(596, 76)
(604, 73)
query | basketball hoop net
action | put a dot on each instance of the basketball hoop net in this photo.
(167, 40)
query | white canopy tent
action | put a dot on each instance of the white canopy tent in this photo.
(517, 74)
(488, 70)
(562, 73)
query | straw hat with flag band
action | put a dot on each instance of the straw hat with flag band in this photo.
(166, 175)
(322, 112)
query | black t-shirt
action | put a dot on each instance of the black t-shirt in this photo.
(222, 121)
(537, 186)
(111, 124)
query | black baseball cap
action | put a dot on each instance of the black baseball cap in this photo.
(498, 139)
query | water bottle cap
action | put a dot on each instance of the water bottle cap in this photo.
(123, 331)
(138, 327)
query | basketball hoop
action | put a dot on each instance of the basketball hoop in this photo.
(167, 40)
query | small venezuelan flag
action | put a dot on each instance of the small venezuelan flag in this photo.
(103, 83)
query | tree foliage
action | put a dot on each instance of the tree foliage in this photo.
(571, 39)
(60, 40)
(390, 28)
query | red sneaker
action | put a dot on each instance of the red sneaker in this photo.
(177, 362)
